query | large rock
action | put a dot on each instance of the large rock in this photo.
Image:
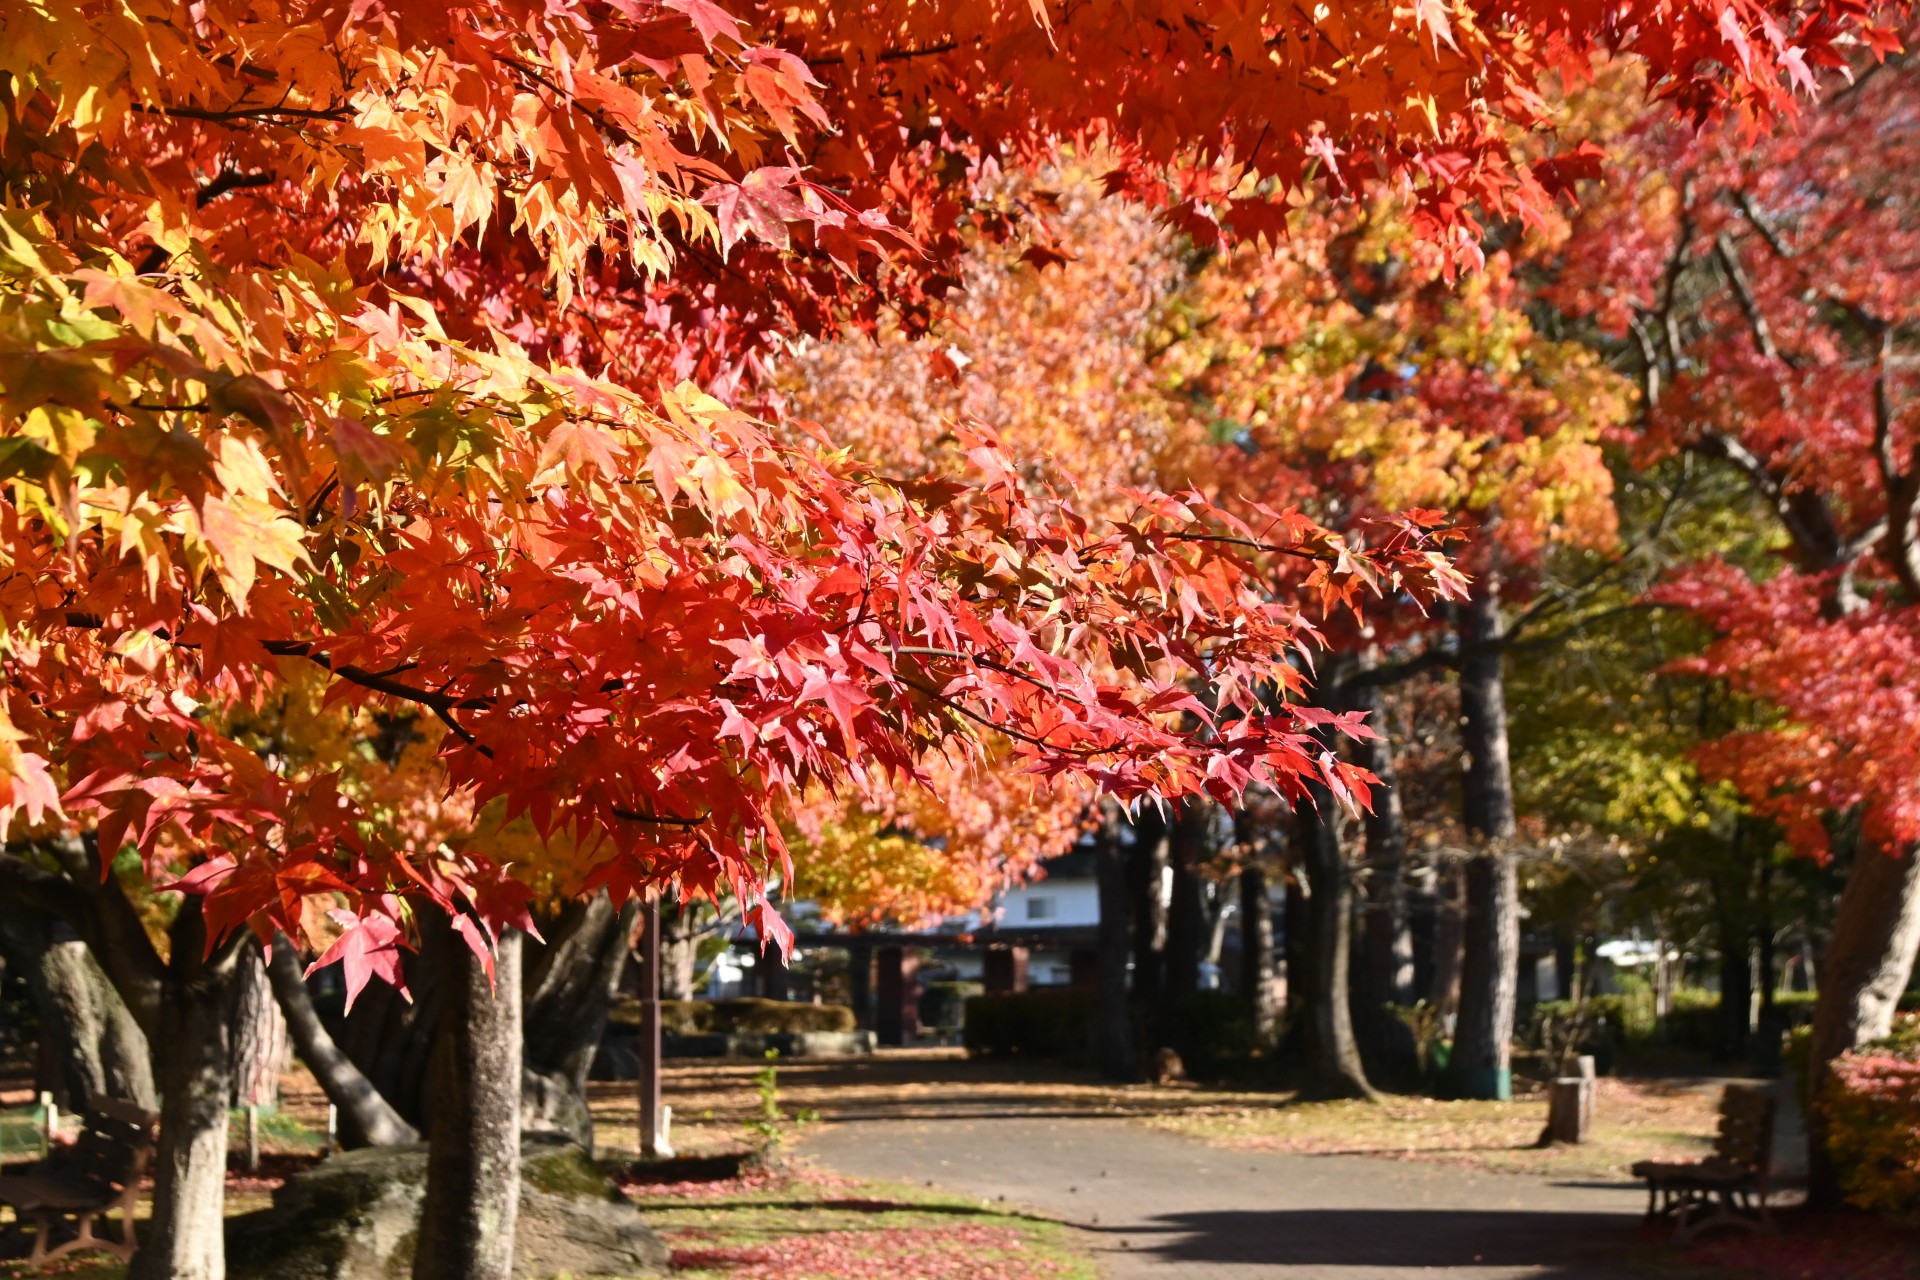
(355, 1216)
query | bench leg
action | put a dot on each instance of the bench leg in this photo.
(42, 1233)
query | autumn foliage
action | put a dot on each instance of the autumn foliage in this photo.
(385, 339)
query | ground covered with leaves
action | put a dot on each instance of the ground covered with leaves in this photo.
(1634, 1120)
(807, 1225)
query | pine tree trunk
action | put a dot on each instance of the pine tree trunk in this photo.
(1256, 951)
(96, 1045)
(473, 1161)
(1333, 1056)
(1114, 1039)
(367, 1120)
(1876, 933)
(1490, 968)
(185, 1239)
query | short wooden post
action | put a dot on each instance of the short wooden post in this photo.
(1570, 1105)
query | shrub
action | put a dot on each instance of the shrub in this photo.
(749, 1014)
(1873, 1115)
(943, 1005)
(1037, 1024)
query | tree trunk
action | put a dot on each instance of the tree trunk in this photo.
(1186, 912)
(679, 949)
(571, 982)
(473, 1160)
(96, 1045)
(1114, 1037)
(1256, 951)
(1296, 935)
(1490, 969)
(1388, 934)
(1876, 932)
(1333, 1056)
(260, 1037)
(1449, 938)
(367, 1119)
(185, 1238)
(1148, 868)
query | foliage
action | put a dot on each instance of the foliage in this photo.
(1763, 293)
(772, 1128)
(1873, 1110)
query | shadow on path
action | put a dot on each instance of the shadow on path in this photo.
(1546, 1244)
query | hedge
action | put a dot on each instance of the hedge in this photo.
(1034, 1024)
(943, 1005)
(1873, 1118)
(748, 1013)
(1212, 1031)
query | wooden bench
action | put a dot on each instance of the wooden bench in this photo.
(1727, 1188)
(86, 1181)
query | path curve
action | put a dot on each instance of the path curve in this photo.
(1158, 1205)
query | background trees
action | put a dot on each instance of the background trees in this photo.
(366, 337)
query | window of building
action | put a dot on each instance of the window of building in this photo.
(1041, 908)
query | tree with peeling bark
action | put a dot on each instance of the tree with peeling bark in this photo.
(361, 336)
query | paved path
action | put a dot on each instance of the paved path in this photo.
(1171, 1208)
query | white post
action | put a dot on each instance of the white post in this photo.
(333, 1129)
(253, 1137)
(50, 1127)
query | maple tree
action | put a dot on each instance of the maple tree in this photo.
(361, 336)
(1764, 293)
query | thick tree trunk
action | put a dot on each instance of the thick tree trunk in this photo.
(1334, 1067)
(1388, 935)
(95, 1044)
(473, 1161)
(1114, 1036)
(1490, 971)
(366, 1118)
(571, 982)
(1876, 933)
(185, 1239)
(1256, 951)
(260, 1038)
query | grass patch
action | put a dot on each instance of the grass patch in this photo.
(1634, 1120)
(806, 1225)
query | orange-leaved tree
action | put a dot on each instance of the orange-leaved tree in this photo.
(358, 335)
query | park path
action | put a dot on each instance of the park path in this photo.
(1160, 1206)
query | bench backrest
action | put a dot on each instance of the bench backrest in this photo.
(1746, 1128)
(116, 1143)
